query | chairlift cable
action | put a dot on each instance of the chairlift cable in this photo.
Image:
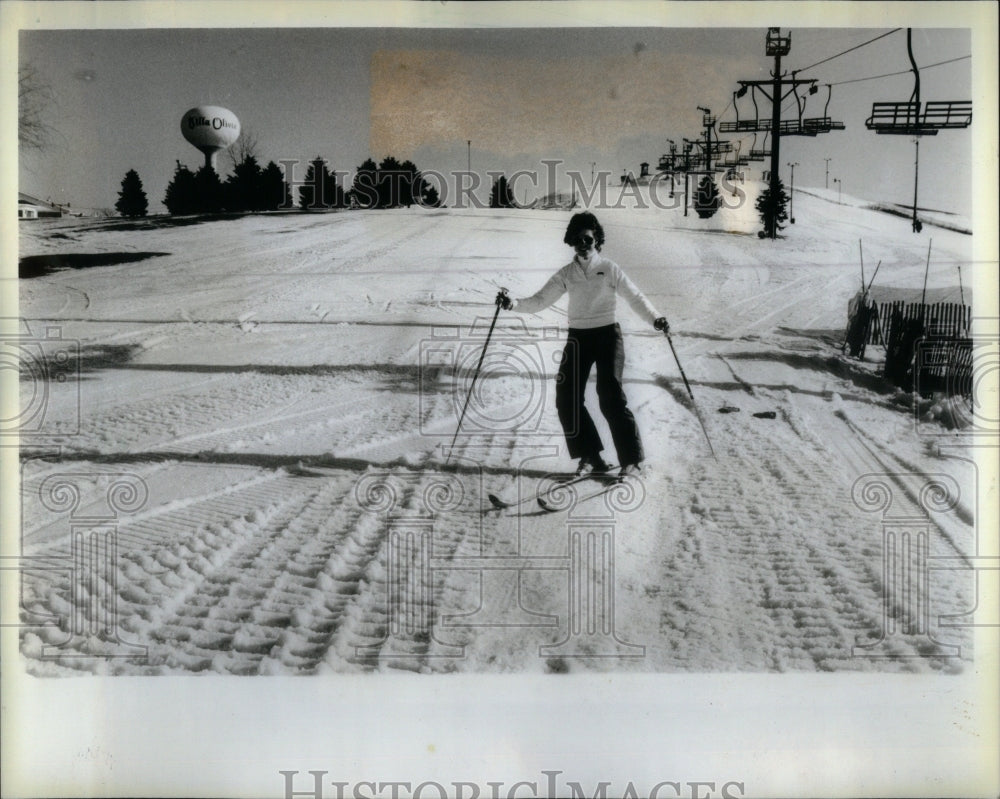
(850, 50)
(901, 72)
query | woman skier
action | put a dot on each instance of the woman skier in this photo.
(593, 284)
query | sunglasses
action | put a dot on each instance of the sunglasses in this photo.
(585, 240)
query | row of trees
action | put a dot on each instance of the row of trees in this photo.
(249, 188)
(389, 184)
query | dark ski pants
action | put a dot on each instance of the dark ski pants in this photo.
(585, 348)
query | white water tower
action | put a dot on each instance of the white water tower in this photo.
(210, 128)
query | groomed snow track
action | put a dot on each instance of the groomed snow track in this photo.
(267, 426)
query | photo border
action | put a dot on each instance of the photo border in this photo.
(779, 735)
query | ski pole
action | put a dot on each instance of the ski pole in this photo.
(873, 277)
(687, 385)
(862, 252)
(475, 377)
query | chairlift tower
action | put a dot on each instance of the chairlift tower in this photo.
(668, 161)
(689, 163)
(776, 90)
(908, 119)
(711, 149)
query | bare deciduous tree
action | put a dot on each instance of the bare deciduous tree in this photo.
(34, 97)
(244, 147)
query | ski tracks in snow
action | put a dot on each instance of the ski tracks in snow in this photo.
(275, 574)
(786, 568)
(760, 561)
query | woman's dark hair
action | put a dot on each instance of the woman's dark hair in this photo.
(581, 222)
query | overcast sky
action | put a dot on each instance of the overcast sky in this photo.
(609, 97)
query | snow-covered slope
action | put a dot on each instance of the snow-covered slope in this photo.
(217, 359)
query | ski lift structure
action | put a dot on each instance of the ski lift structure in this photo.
(776, 90)
(668, 161)
(708, 158)
(714, 155)
(735, 156)
(712, 148)
(801, 125)
(676, 162)
(908, 118)
(689, 163)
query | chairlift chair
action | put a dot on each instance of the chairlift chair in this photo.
(761, 154)
(823, 124)
(745, 125)
(907, 119)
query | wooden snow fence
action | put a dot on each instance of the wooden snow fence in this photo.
(927, 346)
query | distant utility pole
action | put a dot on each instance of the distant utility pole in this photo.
(839, 187)
(791, 194)
(826, 185)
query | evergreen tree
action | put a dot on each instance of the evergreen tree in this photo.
(410, 183)
(333, 191)
(311, 191)
(275, 192)
(245, 187)
(706, 197)
(389, 184)
(321, 189)
(181, 191)
(209, 192)
(772, 210)
(132, 199)
(365, 187)
(501, 195)
(429, 195)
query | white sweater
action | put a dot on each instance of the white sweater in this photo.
(593, 288)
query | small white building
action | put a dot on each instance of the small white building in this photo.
(29, 207)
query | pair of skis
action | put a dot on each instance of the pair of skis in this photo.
(545, 499)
